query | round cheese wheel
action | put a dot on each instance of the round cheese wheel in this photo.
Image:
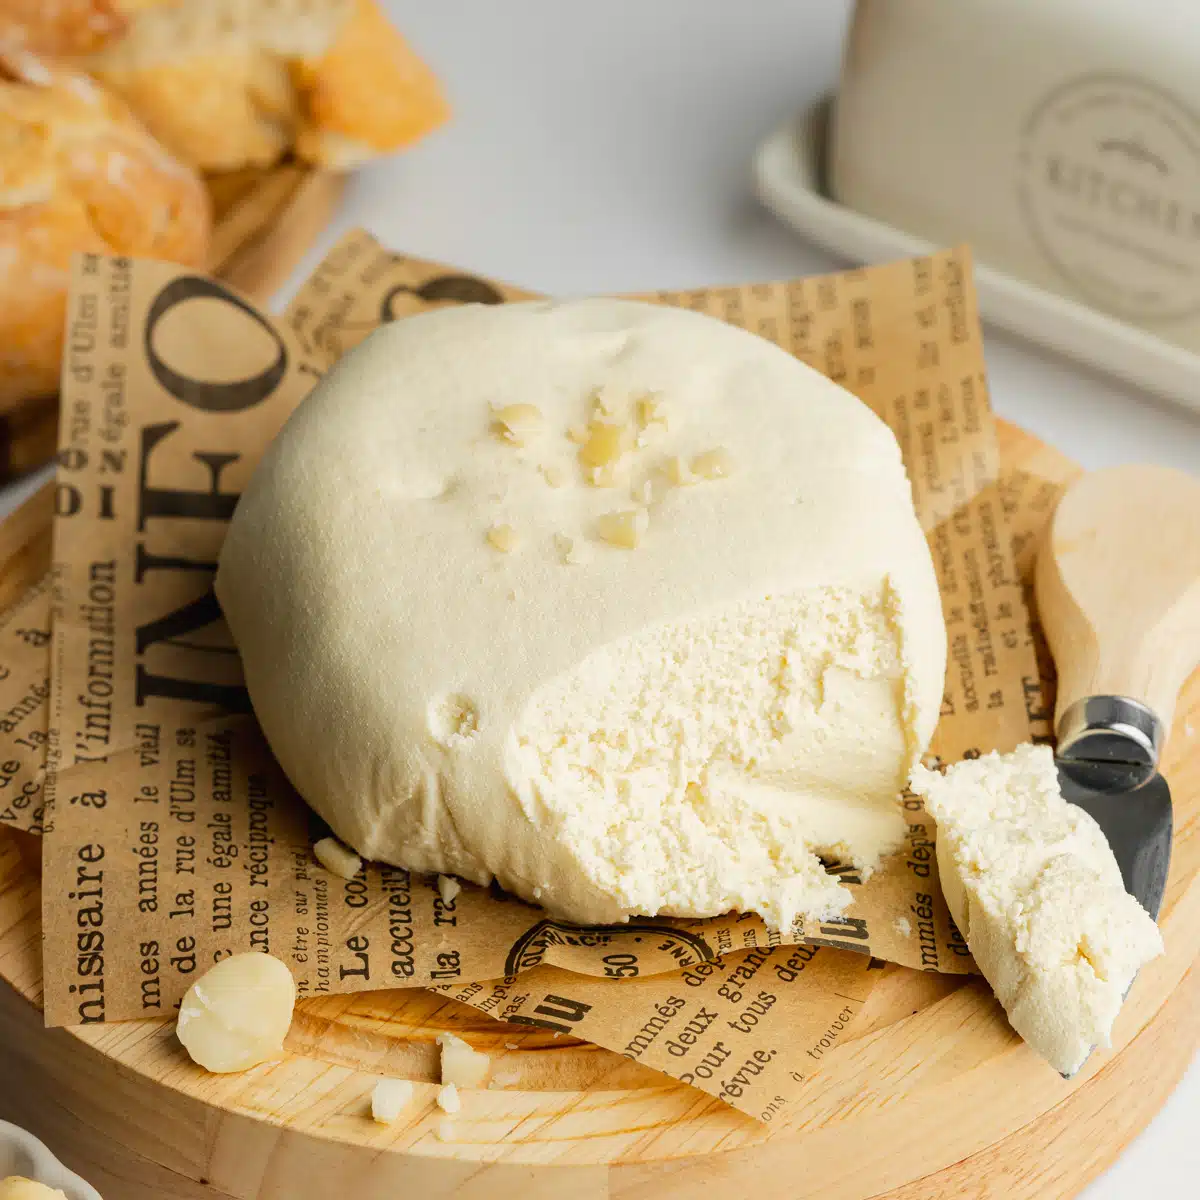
(619, 605)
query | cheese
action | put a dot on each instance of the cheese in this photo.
(670, 708)
(462, 1066)
(389, 1098)
(1034, 888)
(17, 1187)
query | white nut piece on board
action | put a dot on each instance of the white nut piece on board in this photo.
(237, 1013)
(17, 1187)
(461, 1066)
(448, 1100)
(389, 1099)
(336, 858)
(448, 888)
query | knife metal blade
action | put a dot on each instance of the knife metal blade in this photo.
(1135, 814)
(1108, 749)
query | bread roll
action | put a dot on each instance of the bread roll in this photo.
(61, 27)
(77, 173)
(226, 84)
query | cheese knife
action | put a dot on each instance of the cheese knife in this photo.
(1118, 592)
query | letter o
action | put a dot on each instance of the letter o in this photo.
(205, 394)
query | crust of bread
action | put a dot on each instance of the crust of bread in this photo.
(220, 111)
(79, 174)
(367, 95)
(61, 27)
(226, 84)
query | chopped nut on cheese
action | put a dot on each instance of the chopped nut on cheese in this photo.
(503, 538)
(336, 858)
(569, 550)
(649, 412)
(678, 472)
(713, 464)
(605, 444)
(625, 528)
(517, 423)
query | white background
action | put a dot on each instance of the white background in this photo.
(606, 147)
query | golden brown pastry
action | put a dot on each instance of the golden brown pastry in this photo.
(232, 83)
(77, 173)
(61, 27)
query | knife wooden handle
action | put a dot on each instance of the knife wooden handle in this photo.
(1118, 586)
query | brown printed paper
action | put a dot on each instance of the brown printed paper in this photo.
(749, 1028)
(24, 703)
(173, 838)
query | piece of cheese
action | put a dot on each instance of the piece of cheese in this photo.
(389, 1098)
(461, 1065)
(1034, 888)
(729, 683)
(17, 1187)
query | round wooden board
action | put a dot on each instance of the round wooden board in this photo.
(934, 1096)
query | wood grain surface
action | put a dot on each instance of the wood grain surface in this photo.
(934, 1097)
(1118, 587)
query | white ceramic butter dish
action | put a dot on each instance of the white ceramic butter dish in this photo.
(22, 1154)
(791, 180)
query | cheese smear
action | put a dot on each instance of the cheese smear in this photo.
(1034, 888)
(619, 605)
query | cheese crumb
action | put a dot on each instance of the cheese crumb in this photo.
(448, 888)
(512, 1045)
(651, 413)
(605, 444)
(461, 1066)
(1034, 888)
(503, 538)
(903, 926)
(389, 1099)
(336, 858)
(517, 423)
(447, 1099)
(569, 550)
(713, 464)
(678, 472)
(237, 1013)
(625, 529)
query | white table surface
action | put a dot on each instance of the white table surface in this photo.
(605, 147)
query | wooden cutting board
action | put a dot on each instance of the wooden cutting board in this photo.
(935, 1097)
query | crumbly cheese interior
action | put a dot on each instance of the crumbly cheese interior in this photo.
(1035, 889)
(614, 603)
(704, 765)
